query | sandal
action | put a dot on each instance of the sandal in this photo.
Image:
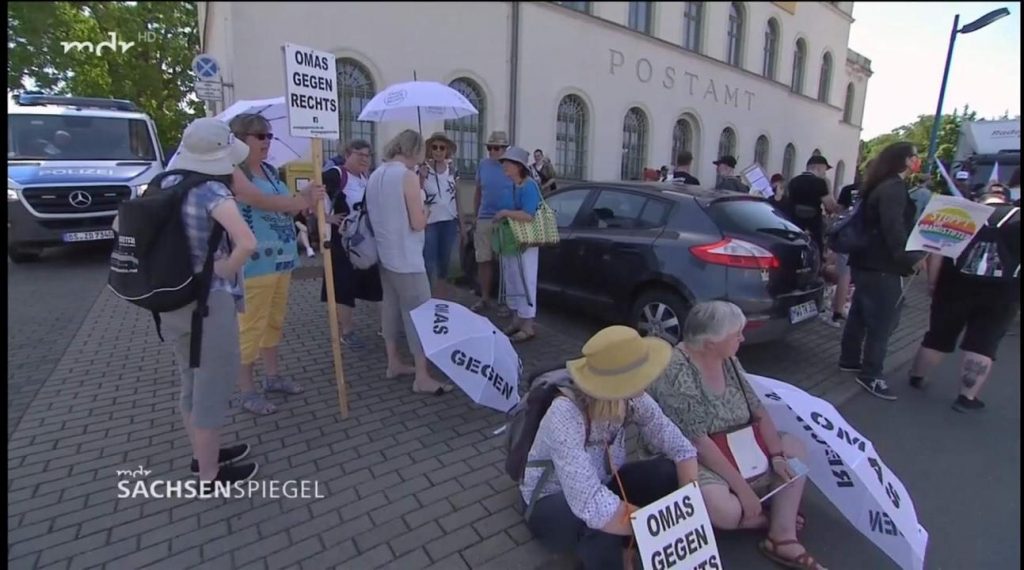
(281, 384)
(257, 403)
(509, 331)
(522, 336)
(803, 561)
(480, 306)
(438, 392)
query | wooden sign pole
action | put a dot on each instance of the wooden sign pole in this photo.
(317, 151)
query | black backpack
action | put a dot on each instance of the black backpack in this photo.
(849, 233)
(993, 256)
(151, 265)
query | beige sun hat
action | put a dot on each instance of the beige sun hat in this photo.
(209, 147)
(618, 363)
(441, 136)
(497, 138)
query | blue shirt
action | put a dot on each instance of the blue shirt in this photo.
(527, 197)
(495, 188)
(276, 251)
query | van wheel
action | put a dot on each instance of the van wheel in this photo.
(19, 255)
(660, 312)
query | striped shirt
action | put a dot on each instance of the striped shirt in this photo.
(197, 217)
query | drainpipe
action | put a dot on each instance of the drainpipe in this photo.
(513, 99)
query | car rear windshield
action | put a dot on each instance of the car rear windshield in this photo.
(748, 215)
(68, 137)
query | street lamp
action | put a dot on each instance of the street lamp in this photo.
(968, 28)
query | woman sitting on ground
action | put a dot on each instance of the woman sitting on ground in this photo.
(577, 504)
(705, 392)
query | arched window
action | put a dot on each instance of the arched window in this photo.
(840, 174)
(727, 143)
(799, 58)
(468, 132)
(825, 81)
(355, 89)
(734, 51)
(851, 92)
(640, 16)
(693, 23)
(788, 161)
(571, 138)
(634, 144)
(771, 48)
(761, 152)
(682, 138)
(578, 6)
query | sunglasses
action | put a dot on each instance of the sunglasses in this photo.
(439, 147)
(494, 148)
(263, 136)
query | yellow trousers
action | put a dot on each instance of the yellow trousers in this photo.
(266, 303)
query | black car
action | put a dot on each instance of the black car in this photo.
(643, 253)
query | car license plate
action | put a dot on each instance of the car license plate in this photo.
(802, 312)
(88, 236)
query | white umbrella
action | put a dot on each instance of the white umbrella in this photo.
(414, 100)
(474, 354)
(847, 469)
(284, 148)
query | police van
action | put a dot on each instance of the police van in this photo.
(70, 162)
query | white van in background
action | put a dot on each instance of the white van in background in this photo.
(70, 162)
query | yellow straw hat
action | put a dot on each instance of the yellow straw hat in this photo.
(618, 363)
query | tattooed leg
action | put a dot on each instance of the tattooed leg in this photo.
(973, 374)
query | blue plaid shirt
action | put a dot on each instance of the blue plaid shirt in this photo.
(196, 213)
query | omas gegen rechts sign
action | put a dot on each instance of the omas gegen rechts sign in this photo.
(312, 83)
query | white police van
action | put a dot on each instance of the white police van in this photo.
(70, 162)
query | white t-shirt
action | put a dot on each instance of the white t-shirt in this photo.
(439, 191)
(355, 190)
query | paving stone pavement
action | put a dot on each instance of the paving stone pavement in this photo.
(410, 481)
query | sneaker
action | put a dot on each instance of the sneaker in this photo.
(352, 341)
(965, 405)
(227, 455)
(229, 474)
(849, 367)
(877, 388)
(834, 320)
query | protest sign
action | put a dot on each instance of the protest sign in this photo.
(759, 184)
(675, 532)
(312, 100)
(947, 225)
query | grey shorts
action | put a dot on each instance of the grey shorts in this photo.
(842, 264)
(403, 292)
(206, 391)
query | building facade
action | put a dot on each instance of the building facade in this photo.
(606, 89)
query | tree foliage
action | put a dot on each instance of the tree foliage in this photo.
(155, 75)
(919, 132)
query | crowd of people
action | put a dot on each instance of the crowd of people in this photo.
(685, 400)
(411, 202)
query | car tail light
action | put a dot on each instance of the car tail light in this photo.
(735, 253)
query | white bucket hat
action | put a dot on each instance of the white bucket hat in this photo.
(209, 147)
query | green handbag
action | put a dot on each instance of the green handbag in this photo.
(541, 231)
(504, 241)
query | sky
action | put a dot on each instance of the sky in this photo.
(907, 43)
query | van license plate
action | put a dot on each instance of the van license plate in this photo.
(88, 236)
(802, 312)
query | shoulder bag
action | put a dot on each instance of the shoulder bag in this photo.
(542, 230)
(744, 447)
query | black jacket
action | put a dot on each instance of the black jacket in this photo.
(889, 217)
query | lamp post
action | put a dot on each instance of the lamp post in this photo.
(968, 28)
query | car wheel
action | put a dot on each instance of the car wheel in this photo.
(19, 255)
(659, 312)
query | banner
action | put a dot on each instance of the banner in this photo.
(759, 184)
(675, 532)
(947, 225)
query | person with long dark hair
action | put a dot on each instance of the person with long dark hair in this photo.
(879, 268)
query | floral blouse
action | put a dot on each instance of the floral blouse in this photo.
(681, 393)
(581, 471)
